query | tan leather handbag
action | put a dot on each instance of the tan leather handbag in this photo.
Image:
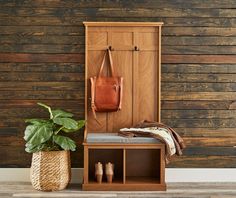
(106, 91)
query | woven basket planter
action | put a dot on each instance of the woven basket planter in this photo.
(50, 170)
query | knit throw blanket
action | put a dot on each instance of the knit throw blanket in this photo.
(174, 143)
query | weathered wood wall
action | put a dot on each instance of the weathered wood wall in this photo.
(42, 59)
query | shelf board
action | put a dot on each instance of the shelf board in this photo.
(142, 180)
(120, 186)
(115, 182)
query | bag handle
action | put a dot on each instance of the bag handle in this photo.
(93, 82)
(103, 62)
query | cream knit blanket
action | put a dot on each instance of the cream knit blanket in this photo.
(157, 131)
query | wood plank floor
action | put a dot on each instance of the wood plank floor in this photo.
(175, 190)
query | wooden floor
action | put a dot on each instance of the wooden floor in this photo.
(186, 190)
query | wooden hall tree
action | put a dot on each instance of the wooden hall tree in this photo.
(136, 53)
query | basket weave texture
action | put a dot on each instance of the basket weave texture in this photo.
(50, 170)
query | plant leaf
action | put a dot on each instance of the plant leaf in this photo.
(37, 134)
(80, 124)
(31, 149)
(29, 131)
(69, 130)
(36, 121)
(47, 107)
(64, 142)
(62, 114)
(42, 147)
(66, 122)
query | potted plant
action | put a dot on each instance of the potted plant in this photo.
(50, 167)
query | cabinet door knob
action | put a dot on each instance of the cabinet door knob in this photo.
(136, 48)
(110, 48)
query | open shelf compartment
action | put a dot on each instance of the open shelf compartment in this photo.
(142, 166)
(104, 156)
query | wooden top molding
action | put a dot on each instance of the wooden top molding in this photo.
(123, 23)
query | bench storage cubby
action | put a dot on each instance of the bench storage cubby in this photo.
(136, 52)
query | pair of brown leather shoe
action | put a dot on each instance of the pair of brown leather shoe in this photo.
(109, 171)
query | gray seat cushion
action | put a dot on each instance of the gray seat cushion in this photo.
(115, 138)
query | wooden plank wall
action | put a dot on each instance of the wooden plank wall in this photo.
(42, 59)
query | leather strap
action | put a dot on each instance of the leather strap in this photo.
(102, 65)
(121, 93)
(93, 82)
(110, 63)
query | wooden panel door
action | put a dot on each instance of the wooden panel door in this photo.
(147, 84)
(138, 66)
(122, 42)
(94, 65)
(123, 67)
(97, 42)
(146, 79)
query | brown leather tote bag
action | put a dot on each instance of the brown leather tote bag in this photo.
(106, 91)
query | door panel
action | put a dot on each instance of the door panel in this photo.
(147, 85)
(94, 63)
(96, 39)
(122, 40)
(123, 67)
(147, 40)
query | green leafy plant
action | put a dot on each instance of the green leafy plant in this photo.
(45, 134)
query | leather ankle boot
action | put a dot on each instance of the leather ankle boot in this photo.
(109, 172)
(98, 172)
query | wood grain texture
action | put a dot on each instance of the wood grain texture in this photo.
(201, 123)
(206, 132)
(42, 59)
(204, 162)
(199, 96)
(139, 68)
(199, 104)
(69, 21)
(42, 86)
(41, 48)
(201, 87)
(197, 40)
(42, 67)
(199, 68)
(199, 31)
(41, 39)
(31, 30)
(40, 76)
(191, 114)
(41, 95)
(198, 49)
(146, 4)
(118, 12)
(124, 117)
(58, 58)
(199, 59)
(217, 78)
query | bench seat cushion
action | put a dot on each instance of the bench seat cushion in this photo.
(115, 138)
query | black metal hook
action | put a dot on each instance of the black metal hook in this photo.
(136, 48)
(110, 48)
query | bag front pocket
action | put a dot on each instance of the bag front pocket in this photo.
(107, 96)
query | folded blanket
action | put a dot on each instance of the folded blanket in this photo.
(174, 143)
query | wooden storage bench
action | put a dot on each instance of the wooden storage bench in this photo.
(139, 162)
(136, 52)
